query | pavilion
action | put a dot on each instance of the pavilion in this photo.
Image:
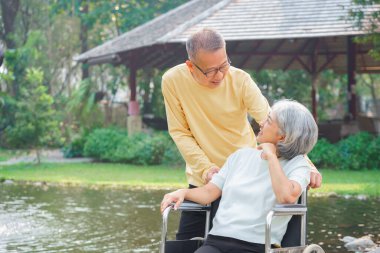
(312, 35)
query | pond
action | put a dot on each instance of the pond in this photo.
(78, 219)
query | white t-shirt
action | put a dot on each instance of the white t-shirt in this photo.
(247, 195)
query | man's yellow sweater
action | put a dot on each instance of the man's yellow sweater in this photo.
(209, 124)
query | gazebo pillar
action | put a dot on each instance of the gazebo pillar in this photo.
(134, 121)
(314, 74)
(351, 66)
(314, 93)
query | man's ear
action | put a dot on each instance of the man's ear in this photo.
(190, 65)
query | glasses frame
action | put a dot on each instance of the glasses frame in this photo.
(215, 70)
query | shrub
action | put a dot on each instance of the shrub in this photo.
(102, 143)
(324, 154)
(354, 151)
(75, 148)
(374, 154)
(128, 149)
(142, 149)
(114, 145)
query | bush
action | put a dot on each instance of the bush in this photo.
(103, 143)
(75, 148)
(114, 145)
(142, 149)
(324, 154)
(354, 151)
(374, 154)
(128, 149)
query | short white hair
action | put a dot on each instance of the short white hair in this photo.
(207, 39)
(298, 127)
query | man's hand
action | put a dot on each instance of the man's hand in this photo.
(211, 173)
(177, 197)
(315, 178)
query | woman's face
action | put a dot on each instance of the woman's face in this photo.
(269, 131)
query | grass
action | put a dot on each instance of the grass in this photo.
(365, 182)
(97, 174)
(340, 182)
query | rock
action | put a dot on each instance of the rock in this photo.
(376, 250)
(358, 244)
(8, 181)
(347, 239)
(332, 195)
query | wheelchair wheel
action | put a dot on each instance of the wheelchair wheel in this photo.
(313, 248)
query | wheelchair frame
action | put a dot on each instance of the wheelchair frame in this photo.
(278, 210)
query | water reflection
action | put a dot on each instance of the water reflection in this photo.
(74, 219)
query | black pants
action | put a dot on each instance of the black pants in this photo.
(192, 224)
(220, 244)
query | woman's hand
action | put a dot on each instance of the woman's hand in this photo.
(176, 197)
(269, 150)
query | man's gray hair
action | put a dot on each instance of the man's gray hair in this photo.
(206, 39)
(297, 125)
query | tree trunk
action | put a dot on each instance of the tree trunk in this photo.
(84, 39)
(9, 9)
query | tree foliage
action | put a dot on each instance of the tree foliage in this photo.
(35, 126)
(371, 24)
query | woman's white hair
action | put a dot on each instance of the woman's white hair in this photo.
(206, 39)
(297, 125)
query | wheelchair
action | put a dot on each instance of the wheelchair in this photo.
(294, 240)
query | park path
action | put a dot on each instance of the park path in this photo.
(47, 156)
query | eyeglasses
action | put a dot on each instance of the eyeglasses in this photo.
(212, 72)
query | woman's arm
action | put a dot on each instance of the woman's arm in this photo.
(203, 195)
(287, 191)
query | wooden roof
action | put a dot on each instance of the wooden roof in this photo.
(276, 34)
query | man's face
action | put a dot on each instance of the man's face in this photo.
(209, 68)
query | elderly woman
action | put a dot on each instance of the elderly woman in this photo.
(252, 181)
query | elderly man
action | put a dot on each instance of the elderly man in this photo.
(207, 102)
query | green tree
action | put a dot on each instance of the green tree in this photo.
(363, 12)
(35, 126)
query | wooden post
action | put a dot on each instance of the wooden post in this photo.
(314, 92)
(314, 80)
(134, 121)
(351, 66)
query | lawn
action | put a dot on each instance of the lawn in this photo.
(341, 182)
(97, 173)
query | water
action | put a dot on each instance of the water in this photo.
(75, 219)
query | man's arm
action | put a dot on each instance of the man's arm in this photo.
(203, 195)
(256, 104)
(179, 130)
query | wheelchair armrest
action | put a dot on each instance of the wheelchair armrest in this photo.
(192, 206)
(289, 209)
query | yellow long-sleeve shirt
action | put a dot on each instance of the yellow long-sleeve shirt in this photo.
(207, 124)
